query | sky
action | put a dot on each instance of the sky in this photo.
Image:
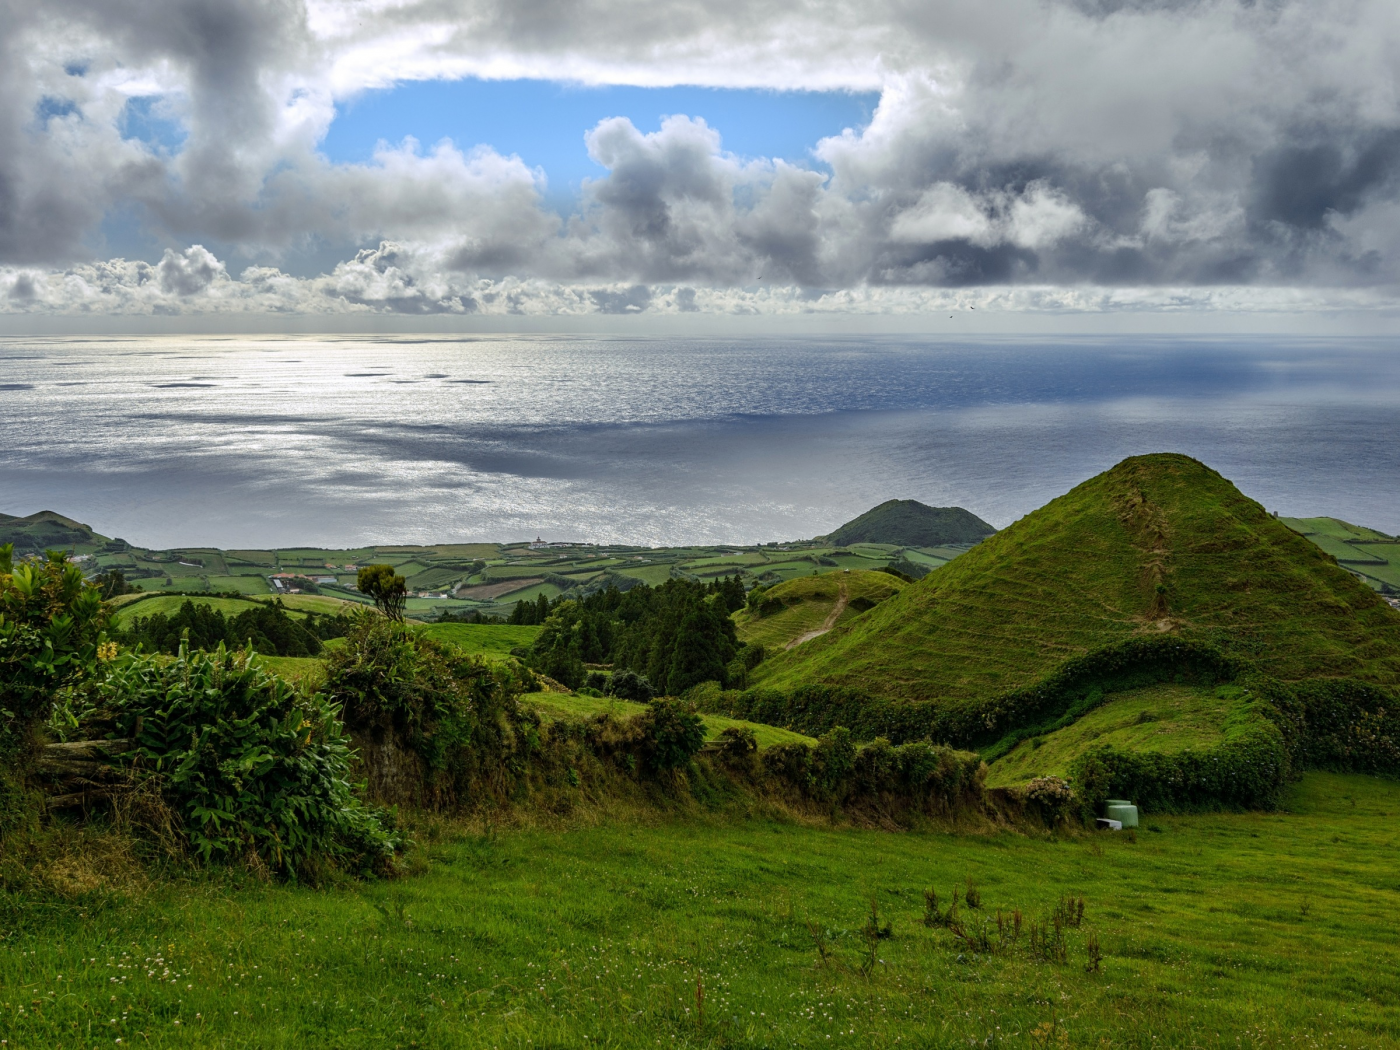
(376, 161)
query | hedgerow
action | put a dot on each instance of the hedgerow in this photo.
(835, 770)
(1247, 770)
(435, 726)
(1132, 664)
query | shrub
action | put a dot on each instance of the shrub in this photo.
(738, 747)
(252, 767)
(628, 685)
(455, 714)
(51, 623)
(1051, 797)
(672, 735)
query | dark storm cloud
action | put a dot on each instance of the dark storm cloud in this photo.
(1107, 142)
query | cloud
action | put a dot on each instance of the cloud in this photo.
(189, 272)
(1169, 144)
(397, 280)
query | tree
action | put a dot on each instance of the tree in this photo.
(389, 591)
(702, 647)
(112, 583)
(732, 589)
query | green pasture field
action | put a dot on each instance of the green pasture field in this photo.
(920, 557)
(1335, 527)
(567, 705)
(1237, 930)
(1158, 718)
(264, 559)
(1387, 570)
(1343, 551)
(492, 641)
(319, 603)
(169, 604)
(653, 575)
(528, 594)
(242, 584)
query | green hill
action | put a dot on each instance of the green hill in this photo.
(1159, 545)
(909, 523)
(799, 610)
(46, 530)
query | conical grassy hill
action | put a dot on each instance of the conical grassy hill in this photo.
(1159, 544)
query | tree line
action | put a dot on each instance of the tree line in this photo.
(266, 625)
(676, 635)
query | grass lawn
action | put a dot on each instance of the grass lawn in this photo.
(1158, 718)
(1247, 930)
(569, 706)
(492, 641)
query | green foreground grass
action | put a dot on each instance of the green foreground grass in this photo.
(1247, 930)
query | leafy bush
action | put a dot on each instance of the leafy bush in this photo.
(738, 746)
(252, 767)
(672, 735)
(51, 623)
(1051, 796)
(628, 685)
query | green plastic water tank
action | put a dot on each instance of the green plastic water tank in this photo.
(1121, 809)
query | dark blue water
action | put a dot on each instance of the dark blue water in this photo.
(238, 442)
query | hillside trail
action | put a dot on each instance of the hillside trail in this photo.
(828, 623)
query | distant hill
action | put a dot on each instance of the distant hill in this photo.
(909, 523)
(47, 530)
(1159, 544)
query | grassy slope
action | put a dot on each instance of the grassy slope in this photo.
(492, 641)
(569, 706)
(1082, 572)
(809, 600)
(1159, 718)
(1225, 930)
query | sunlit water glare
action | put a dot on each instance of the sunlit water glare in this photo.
(339, 441)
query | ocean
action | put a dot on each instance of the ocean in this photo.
(259, 442)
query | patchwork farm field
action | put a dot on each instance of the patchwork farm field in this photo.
(1244, 930)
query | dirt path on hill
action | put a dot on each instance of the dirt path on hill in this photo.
(836, 610)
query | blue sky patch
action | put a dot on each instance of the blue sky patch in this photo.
(544, 122)
(146, 118)
(50, 107)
